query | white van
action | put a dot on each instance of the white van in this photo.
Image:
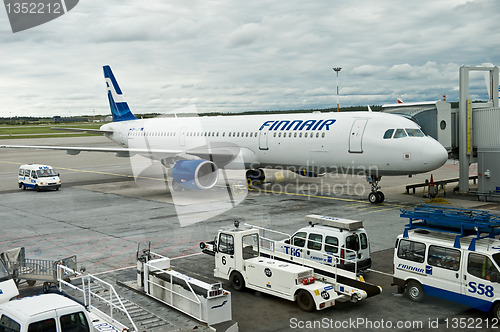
(38, 177)
(49, 312)
(8, 288)
(327, 239)
(436, 257)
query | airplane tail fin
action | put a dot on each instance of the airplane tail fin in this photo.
(119, 107)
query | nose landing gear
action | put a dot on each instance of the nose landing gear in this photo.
(375, 196)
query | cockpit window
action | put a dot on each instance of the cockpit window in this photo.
(400, 133)
(388, 133)
(414, 132)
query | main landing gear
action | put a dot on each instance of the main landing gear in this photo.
(375, 196)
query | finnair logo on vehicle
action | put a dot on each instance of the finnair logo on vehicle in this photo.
(298, 124)
(411, 268)
(25, 14)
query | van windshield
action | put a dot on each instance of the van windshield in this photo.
(45, 173)
(496, 257)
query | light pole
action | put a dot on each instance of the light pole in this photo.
(337, 69)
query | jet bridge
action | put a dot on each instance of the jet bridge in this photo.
(469, 133)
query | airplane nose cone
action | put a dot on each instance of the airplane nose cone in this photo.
(434, 156)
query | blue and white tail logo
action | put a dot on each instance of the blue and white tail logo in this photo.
(117, 103)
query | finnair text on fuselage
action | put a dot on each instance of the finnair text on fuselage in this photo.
(298, 124)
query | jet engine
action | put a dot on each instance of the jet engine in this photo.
(195, 174)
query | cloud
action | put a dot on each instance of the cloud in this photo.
(238, 56)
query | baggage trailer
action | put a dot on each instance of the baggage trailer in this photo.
(33, 270)
(237, 259)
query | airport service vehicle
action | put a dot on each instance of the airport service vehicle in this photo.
(329, 240)
(49, 312)
(38, 177)
(8, 288)
(208, 303)
(237, 259)
(450, 253)
(311, 144)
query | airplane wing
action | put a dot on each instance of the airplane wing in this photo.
(83, 130)
(220, 154)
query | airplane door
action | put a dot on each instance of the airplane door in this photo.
(182, 136)
(356, 136)
(263, 138)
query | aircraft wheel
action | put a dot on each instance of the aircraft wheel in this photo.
(237, 281)
(381, 196)
(415, 291)
(305, 301)
(373, 197)
(176, 186)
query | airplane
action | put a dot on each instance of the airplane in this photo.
(312, 144)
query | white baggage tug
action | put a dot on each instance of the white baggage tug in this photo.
(237, 259)
(450, 253)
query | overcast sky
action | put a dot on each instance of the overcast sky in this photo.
(246, 55)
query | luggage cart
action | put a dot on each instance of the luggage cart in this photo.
(33, 270)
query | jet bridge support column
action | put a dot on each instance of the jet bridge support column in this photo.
(465, 120)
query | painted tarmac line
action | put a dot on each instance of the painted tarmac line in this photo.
(380, 272)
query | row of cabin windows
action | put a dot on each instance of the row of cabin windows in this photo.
(295, 134)
(144, 133)
(478, 265)
(230, 134)
(399, 133)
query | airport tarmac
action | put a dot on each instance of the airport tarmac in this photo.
(101, 214)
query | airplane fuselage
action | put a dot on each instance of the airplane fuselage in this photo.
(346, 141)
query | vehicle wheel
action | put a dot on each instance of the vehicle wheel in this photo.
(46, 287)
(237, 281)
(37, 188)
(495, 311)
(415, 291)
(373, 197)
(305, 301)
(57, 189)
(381, 196)
(31, 282)
(23, 187)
